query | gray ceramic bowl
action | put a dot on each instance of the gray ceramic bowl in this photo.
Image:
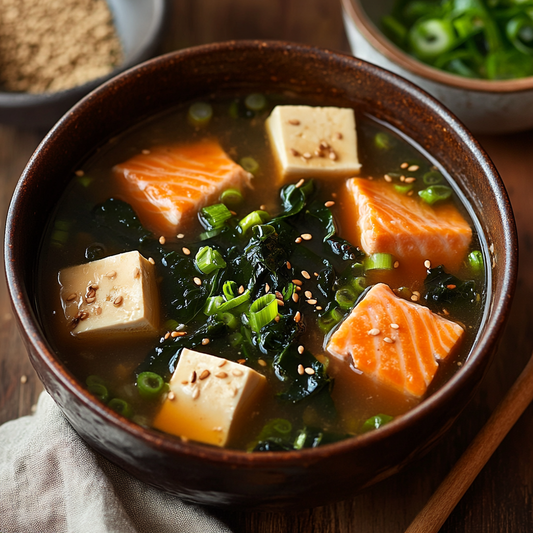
(208, 474)
(484, 106)
(139, 24)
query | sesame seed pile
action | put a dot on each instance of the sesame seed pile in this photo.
(53, 45)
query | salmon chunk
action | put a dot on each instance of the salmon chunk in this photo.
(169, 184)
(395, 342)
(406, 227)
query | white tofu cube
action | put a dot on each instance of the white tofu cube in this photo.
(314, 141)
(113, 296)
(209, 398)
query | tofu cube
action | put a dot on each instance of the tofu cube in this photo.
(209, 398)
(314, 141)
(113, 296)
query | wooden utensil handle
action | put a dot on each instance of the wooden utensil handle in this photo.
(456, 483)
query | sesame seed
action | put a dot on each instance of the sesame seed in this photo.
(267, 287)
(394, 326)
(195, 393)
(338, 136)
(306, 236)
(410, 193)
(451, 287)
(413, 168)
(162, 240)
(97, 309)
(294, 122)
(297, 282)
(167, 335)
(329, 203)
(279, 295)
(180, 333)
(388, 340)
(146, 152)
(23, 379)
(301, 370)
(235, 391)
(315, 274)
(151, 260)
(414, 298)
(323, 145)
(295, 297)
(180, 235)
(294, 152)
(388, 179)
(241, 361)
(374, 331)
(307, 155)
(91, 299)
(71, 297)
(262, 362)
(174, 334)
(404, 165)
(241, 289)
(298, 240)
(288, 265)
(300, 183)
(111, 274)
(136, 272)
(197, 281)
(396, 264)
(297, 316)
(277, 318)
(410, 180)
(308, 294)
(193, 376)
(402, 178)
(184, 382)
(301, 349)
(171, 396)
(94, 286)
(222, 363)
(117, 302)
(205, 374)
(416, 293)
(280, 302)
(318, 308)
(305, 274)
(186, 251)
(427, 263)
(205, 341)
(237, 372)
(221, 375)
(79, 173)
(309, 371)
(333, 156)
(311, 302)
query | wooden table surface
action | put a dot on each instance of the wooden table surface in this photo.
(501, 498)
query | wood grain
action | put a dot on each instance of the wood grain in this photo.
(500, 499)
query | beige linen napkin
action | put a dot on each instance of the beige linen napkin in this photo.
(52, 482)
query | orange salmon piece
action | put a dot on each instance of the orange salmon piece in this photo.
(407, 227)
(170, 184)
(395, 342)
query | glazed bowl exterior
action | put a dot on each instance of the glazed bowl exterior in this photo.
(484, 106)
(222, 477)
(139, 24)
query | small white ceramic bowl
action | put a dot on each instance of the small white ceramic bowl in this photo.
(139, 25)
(484, 106)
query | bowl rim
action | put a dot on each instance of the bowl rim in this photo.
(355, 11)
(15, 99)
(174, 445)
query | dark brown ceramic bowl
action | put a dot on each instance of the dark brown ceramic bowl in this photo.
(224, 477)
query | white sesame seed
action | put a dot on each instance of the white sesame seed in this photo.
(301, 349)
(308, 294)
(162, 240)
(297, 282)
(205, 342)
(414, 298)
(237, 372)
(388, 179)
(329, 203)
(310, 371)
(394, 326)
(241, 289)
(388, 340)
(197, 281)
(195, 393)
(295, 297)
(427, 263)
(297, 316)
(300, 183)
(171, 396)
(410, 180)
(262, 362)
(413, 168)
(396, 264)
(288, 265)
(180, 235)
(151, 260)
(311, 302)
(186, 251)
(298, 240)
(305, 274)
(79, 173)
(374, 331)
(404, 165)
(267, 287)
(301, 370)
(306, 236)
(23, 379)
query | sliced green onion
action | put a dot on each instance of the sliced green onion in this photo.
(150, 385)
(255, 102)
(121, 407)
(214, 216)
(345, 297)
(375, 422)
(432, 37)
(235, 339)
(59, 237)
(208, 260)
(206, 235)
(171, 324)
(519, 31)
(403, 188)
(435, 193)
(379, 261)
(249, 164)
(232, 198)
(475, 260)
(263, 311)
(330, 319)
(383, 141)
(433, 177)
(235, 302)
(94, 380)
(212, 305)
(230, 320)
(96, 386)
(358, 285)
(200, 113)
(230, 290)
(84, 181)
(253, 219)
(288, 291)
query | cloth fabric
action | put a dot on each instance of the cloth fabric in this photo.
(52, 482)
